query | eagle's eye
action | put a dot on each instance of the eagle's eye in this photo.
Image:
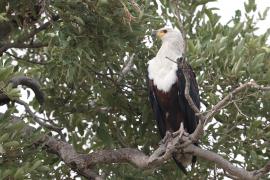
(165, 31)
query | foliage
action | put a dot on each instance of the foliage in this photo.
(79, 68)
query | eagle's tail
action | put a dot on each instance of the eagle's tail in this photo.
(183, 160)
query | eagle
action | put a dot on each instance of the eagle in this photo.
(166, 83)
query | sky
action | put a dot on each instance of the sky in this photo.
(227, 10)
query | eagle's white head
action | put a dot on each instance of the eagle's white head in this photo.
(169, 35)
(171, 39)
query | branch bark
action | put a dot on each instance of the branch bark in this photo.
(84, 163)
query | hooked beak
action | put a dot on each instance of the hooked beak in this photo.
(154, 34)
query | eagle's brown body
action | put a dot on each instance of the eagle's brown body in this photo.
(171, 109)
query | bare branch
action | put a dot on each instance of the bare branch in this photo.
(205, 119)
(77, 162)
(23, 45)
(221, 162)
(84, 163)
(26, 37)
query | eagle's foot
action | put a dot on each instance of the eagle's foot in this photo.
(167, 138)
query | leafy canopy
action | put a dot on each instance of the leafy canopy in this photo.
(80, 64)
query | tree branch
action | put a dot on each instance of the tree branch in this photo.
(26, 37)
(25, 81)
(24, 60)
(23, 45)
(84, 163)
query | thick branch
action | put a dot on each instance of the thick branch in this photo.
(221, 162)
(83, 163)
(77, 162)
(25, 81)
(30, 83)
(23, 45)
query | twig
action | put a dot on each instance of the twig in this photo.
(37, 119)
(239, 110)
(127, 67)
(135, 6)
(177, 14)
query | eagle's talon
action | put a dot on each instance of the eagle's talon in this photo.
(167, 138)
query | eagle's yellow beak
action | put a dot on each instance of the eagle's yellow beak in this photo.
(157, 33)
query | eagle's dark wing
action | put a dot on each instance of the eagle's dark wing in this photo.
(159, 114)
(191, 120)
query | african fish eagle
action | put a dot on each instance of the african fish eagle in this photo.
(166, 90)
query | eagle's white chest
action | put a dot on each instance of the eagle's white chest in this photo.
(163, 73)
(163, 70)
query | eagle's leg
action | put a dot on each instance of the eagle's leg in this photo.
(180, 132)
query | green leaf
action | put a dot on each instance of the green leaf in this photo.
(14, 93)
(19, 173)
(36, 165)
(4, 137)
(12, 144)
(5, 73)
(7, 173)
(102, 133)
